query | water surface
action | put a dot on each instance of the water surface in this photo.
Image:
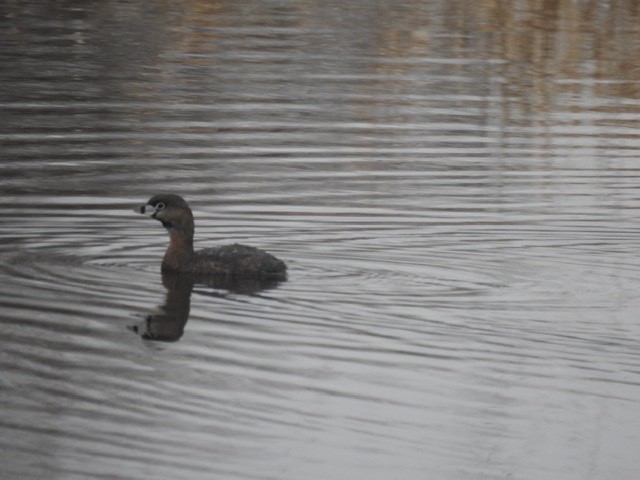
(454, 186)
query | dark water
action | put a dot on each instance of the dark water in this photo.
(454, 186)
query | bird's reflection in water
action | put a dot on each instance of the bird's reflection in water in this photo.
(167, 322)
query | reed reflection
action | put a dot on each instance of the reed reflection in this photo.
(168, 321)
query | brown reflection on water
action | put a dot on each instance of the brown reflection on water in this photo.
(553, 47)
(541, 48)
(537, 45)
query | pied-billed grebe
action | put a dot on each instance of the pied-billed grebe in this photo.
(229, 260)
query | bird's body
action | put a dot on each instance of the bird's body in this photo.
(233, 260)
(229, 260)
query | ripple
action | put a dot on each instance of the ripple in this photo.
(460, 233)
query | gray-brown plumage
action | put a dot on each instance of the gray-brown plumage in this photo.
(229, 260)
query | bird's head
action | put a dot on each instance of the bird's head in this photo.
(171, 210)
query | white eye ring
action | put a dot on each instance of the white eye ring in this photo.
(159, 206)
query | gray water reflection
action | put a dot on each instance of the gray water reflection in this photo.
(453, 185)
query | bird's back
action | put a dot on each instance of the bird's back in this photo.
(237, 260)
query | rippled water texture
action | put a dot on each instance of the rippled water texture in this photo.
(454, 186)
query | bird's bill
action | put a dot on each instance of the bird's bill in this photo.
(146, 209)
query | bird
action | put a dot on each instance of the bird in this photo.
(229, 260)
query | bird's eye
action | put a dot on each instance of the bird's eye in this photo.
(159, 206)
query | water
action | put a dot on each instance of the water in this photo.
(454, 186)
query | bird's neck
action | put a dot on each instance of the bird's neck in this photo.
(179, 251)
